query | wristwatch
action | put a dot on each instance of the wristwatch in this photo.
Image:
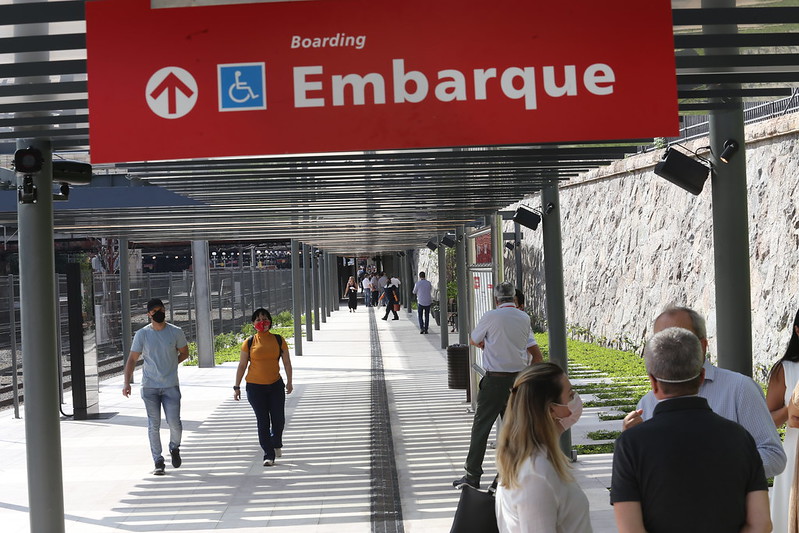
(236, 387)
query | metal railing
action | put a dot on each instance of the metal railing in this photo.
(695, 126)
(235, 294)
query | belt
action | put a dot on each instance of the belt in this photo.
(491, 374)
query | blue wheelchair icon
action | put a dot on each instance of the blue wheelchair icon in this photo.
(242, 86)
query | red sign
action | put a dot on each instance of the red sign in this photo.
(324, 75)
(477, 282)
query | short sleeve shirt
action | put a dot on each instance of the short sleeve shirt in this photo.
(506, 333)
(159, 351)
(264, 366)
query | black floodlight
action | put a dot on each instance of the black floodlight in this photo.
(448, 240)
(28, 160)
(510, 245)
(527, 218)
(682, 171)
(432, 244)
(730, 147)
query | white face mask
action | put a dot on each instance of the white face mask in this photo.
(575, 406)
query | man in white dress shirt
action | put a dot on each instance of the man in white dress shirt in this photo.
(730, 394)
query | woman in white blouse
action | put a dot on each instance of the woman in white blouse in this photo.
(537, 492)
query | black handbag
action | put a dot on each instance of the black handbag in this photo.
(476, 512)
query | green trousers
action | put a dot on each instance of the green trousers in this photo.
(491, 401)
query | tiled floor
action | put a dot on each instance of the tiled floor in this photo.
(323, 481)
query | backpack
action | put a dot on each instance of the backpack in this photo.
(278, 338)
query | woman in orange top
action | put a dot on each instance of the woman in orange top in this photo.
(266, 391)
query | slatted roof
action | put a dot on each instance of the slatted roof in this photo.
(354, 202)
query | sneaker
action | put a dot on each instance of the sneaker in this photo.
(459, 483)
(421, 332)
(176, 460)
(269, 462)
(159, 468)
(278, 452)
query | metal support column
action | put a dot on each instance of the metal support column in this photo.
(202, 304)
(323, 284)
(442, 294)
(517, 256)
(553, 274)
(296, 295)
(335, 287)
(314, 288)
(39, 352)
(411, 277)
(307, 286)
(730, 223)
(497, 257)
(124, 297)
(463, 286)
(407, 281)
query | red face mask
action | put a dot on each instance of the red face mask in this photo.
(262, 325)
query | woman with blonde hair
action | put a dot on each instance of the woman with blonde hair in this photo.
(537, 492)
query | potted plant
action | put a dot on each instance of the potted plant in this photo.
(435, 310)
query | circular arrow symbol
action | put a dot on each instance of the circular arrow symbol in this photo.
(171, 92)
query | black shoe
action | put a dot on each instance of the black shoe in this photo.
(459, 483)
(395, 318)
(384, 318)
(176, 460)
(159, 468)
(421, 332)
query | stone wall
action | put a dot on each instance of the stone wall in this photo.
(633, 243)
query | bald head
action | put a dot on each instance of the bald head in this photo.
(683, 317)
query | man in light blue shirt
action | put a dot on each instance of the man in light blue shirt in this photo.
(730, 394)
(423, 290)
(163, 347)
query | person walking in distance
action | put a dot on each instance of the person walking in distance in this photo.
(366, 283)
(423, 290)
(391, 297)
(162, 346)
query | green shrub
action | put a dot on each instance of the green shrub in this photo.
(587, 449)
(603, 434)
(284, 319)
(611, 416)
(227, 346)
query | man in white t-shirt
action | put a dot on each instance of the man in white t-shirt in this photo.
(366, 283)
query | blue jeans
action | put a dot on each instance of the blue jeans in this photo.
(269, 403)
(424, 322)
(154, 399)
(367, 297)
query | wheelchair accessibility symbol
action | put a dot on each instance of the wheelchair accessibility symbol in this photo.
(242, 86)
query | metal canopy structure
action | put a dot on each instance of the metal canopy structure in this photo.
(355, 202)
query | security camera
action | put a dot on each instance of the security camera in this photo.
(72, 172)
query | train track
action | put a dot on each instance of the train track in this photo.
(110, 366)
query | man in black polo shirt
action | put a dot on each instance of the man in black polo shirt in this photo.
(687, 469)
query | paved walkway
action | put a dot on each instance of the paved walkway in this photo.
(344, 467)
